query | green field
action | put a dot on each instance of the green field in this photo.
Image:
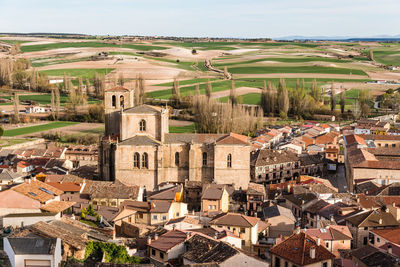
(54, 61)
(12, 42)
(250, 99)
(387, 57)
(44, 99)
(301, 69)
(231, 45)
(84, 73)
(182, 129)
(38, 128)
(14, 141)
(42, 47)
(283, 60)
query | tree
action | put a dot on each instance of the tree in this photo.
(53, 104)
(57, 98)
(121, 79)
(371, 55)
(283, 95)
(333, 97)
(208, 88)
(1, 131)
(232, 96)
(197, 89)
(16, 110)
(88, 86)
(264, 98)
(365, 100)
(315, 91)
(342, 101)
(176, 91)
(141, 84)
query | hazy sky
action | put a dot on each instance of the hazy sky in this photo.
(214, 18)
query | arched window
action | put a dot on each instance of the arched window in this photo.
(145, 161)
(142, 125)
(204, 159)
(114, 101)
(136, 160)
(176, 158)
(229, 161)
(121, 101)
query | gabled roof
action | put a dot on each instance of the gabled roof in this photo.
(32, 245)
(256, 189)
(66, 186)
(7, 175)
(118, 89)
(10, 199)
(274, 211)
(57, 206)
(212, 191)
(185, 219)
(186, 138)
(234, 219)
(143, 109)
(390, 234)
(299, 198)
(168, 240)
(140, 140)
(233, 139)
(373, 218)
(266, 157)
(167, 194)
(38, 190)
(297, 248)
(331, 232)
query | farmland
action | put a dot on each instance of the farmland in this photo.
(43, 99)
(84, 73)
(37, 128)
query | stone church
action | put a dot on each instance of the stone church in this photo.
(138, 149)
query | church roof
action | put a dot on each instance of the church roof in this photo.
(118, 89)
(140, 140)
(172, 138)
(143, 109)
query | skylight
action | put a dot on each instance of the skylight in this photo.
(46, 191)
(31, 193)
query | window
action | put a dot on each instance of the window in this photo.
(176, 158)
(204, 159)
(142, 125)
(365, 228)
(161, 255)
(177, 214)
(393, 145)
(378, 239)
(114, 101)
(242, 230)
(145, 161)
(155, 217)
(229, 161)
(386, 145)
(121, 101)
(324, 264)
(114, 204)
(136, 160)
(365, 241)
(153, 252)
(141, 215)
(164, 218)
(327, 244)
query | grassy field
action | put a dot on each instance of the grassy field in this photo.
(99, 130)
(387, 57)
(38, 128)
(182, 129)
(12, 42)
(45, 99)
(283, 60)
(250, 99)
(42, 47)
(54, 61)
(84, 73)
(14, 141)
(300, 69)
(232, 45)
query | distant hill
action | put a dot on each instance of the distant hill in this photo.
(379, 38)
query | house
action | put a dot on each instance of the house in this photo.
(281, 220)
(69, 188)
(17, 220)
(363, 222)
(35, 109)
(82, 155)
(301, 249)
(370, 256)
(255, 196)
(205, 251)
(335, 237)
(24, 167)
(33, 251)
(382, 238)
(166, 247)
(220, 235)
(245, 226)
(192, 195)
(39, 191)
(183, 223)
(170, 193)
(214, 199)
(271, 166)
(310, 217)
(12, 202)
(298, 202)
(9, 177)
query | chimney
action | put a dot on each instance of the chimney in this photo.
(380, 221)
(155, 236)
(173, 227)
(393, 204)
(298, 230)
(389, 250)
(318, 241)
(148, 240)
(312, 253)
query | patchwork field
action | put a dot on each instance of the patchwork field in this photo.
(37, 128)
(250, 63)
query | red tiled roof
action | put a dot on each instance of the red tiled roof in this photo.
(297, 248)
(233, 139)
(118, 89)
(169, 240)
(66, 186)
(234, 219)
(390, 234)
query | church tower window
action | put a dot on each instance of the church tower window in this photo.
(121, 101)
(145, 161)
(114, 101)
(136, 160)
(229, 161)
(177, 158)
(142, 125)
(204, 159)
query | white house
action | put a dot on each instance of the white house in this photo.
(35, 109)
(33, 251)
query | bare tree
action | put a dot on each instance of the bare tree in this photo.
(16, 107)
(176, 91)
(315, 91)
(232, 96)
(197, 89)
(121, 80)
(342, 101)
(53, 105)
(333, 97)
(208, 88)
(57, 98)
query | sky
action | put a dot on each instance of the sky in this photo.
(204, 18)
